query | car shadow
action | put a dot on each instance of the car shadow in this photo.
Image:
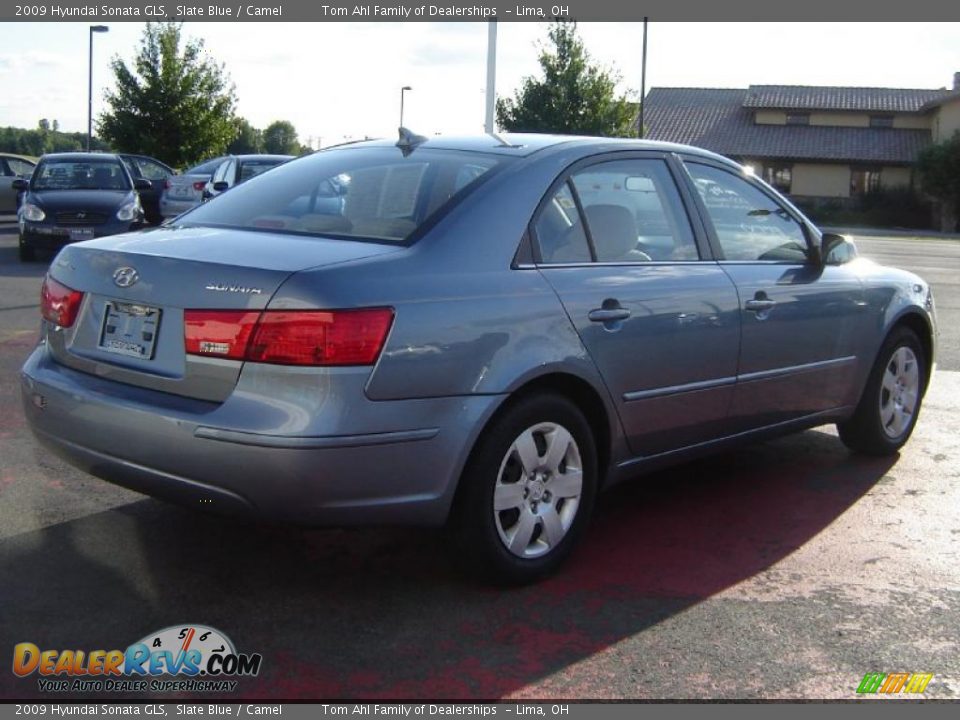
(388, 613)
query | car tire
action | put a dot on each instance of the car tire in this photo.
(26, 252)
(528, 490)
(888, 410)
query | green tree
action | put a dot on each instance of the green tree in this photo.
(574, 96)
(280, 138)
(248, 139)
(939, 168)
(175, 103)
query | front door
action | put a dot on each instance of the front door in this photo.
(798, 318)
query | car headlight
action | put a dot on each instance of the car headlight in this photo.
(130, 211)
(33, 213)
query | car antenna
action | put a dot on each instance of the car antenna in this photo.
(409, 141)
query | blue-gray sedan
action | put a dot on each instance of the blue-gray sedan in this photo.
(482, 332)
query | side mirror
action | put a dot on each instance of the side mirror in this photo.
(837, 249)
(20, 184)
(142, 184)
(221, 186)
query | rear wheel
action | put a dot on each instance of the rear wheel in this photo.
(888, 410)
(528, 491)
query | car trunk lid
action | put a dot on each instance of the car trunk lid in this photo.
(130, 326)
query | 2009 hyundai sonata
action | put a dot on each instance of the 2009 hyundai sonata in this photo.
(481, 331)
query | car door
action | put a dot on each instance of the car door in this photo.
(8, 196)
(615, 241)
(798, 318)
(157, 174)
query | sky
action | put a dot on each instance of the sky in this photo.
(337, 81)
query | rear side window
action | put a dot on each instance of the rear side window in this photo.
(367, 193)
(622, 211)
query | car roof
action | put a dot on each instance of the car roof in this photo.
(525, 144)
(245, 158)
(14, 156)
(80, 156)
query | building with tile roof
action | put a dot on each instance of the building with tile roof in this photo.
(810, 142)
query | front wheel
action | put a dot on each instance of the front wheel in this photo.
(528, 490)
(888, 410)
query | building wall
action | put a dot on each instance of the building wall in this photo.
(817, 180)
(911, 122)
(946, 120)
(895, 177)
(901, 121)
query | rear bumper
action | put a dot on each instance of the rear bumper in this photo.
(172, 208)
(172, 448)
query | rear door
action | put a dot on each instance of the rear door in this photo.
(615, 240)
(798, 319)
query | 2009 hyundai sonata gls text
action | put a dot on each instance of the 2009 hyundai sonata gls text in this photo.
(483, 332)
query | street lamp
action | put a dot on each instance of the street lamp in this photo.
(93, 29)
(402, 91)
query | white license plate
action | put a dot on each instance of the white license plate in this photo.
(79, 234)
(130, 329)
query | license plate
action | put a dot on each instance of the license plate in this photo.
(182, 192)
(130, 329)
(80, 233)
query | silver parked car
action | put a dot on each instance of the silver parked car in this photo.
(481, 332)
(184, 192)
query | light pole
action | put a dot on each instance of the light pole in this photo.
(402, 91)
(93, 29)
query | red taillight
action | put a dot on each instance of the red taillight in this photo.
(58, 303)
(218, 333)
(290, 337)
(199, 186)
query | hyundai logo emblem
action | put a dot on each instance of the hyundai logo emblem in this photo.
(125, 276)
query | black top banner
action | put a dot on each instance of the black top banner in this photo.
(387, 11)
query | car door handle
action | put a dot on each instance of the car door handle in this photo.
(608, 314)
(759, 305)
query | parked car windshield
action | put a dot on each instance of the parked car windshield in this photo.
(368, 193)
(106, 174)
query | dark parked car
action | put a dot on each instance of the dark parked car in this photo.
(185, 191)
(154, 172)
(236, 169)
(484, 332)
(77, 196)
(12, 167)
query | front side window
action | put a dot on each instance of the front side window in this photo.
(20, 167)
(80, 175)
(151, 170)
(373, 193)
(749, 224)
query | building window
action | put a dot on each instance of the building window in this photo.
(881, 121)
(798, 118)
(864, 180)
(779, 176)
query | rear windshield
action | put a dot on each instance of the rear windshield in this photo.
(252, 168)
(204, 168)
(366, 193)
(106, 174)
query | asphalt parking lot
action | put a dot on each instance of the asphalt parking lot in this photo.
(788, 569)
